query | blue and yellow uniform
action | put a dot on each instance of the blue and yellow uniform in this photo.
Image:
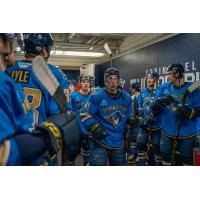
(169, 120)
(14, 120)
(37, 96)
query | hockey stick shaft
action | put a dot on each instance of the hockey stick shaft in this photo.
(49, 81)
(190, 89)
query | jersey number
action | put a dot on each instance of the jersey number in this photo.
(34, 103)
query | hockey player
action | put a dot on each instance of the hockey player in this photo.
(72, 86)
(148, 139)
(105, 117)
(133, 130)
(18, 144)
(78, 100)
(37, 96)
(171, 95)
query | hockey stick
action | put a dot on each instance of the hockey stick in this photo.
(107, 48)
(49, 81)
(190, 89)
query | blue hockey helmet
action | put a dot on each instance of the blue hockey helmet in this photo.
(153, 75)
(135, 86)
(84, 77)
(73, 82)
(176, 68)
(111, 71)
(34, 42)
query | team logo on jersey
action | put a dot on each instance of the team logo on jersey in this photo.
(103, 103)
(147, 104)
(115, 118)
(24, 64)
(79, 105)
(166, 92)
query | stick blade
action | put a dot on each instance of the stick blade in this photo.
(49, 81)
(107, 48)
(45, 76)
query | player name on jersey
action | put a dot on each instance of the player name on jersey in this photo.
(20, 75)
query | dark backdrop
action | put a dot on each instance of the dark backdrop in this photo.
(183, 48)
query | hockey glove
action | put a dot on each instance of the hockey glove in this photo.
(97, 132)
(161, 103)
(56, 128)
(188, 112)
(146, 121)
(133, 122)
(52, 135)
(165, 101)
(157, 107)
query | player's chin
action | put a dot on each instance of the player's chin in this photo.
(113, 88)
(85, 89)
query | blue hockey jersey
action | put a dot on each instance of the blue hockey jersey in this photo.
(146, 99)
(39, 99)
(78, 101)
(169, 119)
(13, 116)
(111, 114)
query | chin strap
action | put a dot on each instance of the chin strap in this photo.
(115, 95)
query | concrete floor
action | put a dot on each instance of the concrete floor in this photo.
(78, 161)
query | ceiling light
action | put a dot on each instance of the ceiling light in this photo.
(77, 53)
